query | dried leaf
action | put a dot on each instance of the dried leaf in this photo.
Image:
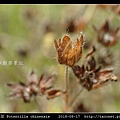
(106, 35)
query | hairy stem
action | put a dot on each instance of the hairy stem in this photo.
(66, 89)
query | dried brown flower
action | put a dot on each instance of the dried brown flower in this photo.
(68, 53)
(90, 76)
(32, 88)
(106, 35)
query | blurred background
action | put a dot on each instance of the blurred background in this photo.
(27, 33)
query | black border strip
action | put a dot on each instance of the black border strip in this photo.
(58, 2)
(61, 115)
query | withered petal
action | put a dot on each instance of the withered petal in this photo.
(108, 77)
(78, 48)
(15, 87)
(44, 89)
(32, 78)
(14, 95)
(54, 93)
(56, 44)
(103, 72)
(45, 83)
(41, 77)
(65, 42)
(91, 64)
(82, 69)
(105, 76)
(22, 84)
(91, 52)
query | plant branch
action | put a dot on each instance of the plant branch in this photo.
(66, 89)
(38, 106)
(75, 97)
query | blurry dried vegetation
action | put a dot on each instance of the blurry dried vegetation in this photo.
(28, 33)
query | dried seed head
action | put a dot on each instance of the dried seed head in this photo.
(106, 35)
(90, 76)
(69, 53)
(32, 88)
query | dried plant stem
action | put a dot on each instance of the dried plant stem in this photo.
(66, 89)
(38, 106)
(75, 97)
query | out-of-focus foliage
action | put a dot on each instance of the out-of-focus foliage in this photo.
(27, 34)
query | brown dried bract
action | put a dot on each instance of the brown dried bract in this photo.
(106, 35)
(68, 53)
(92, 77)
(54, 93)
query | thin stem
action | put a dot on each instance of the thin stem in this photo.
(75, 97)
(38, 106)
(66, 89)
(89, 12)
